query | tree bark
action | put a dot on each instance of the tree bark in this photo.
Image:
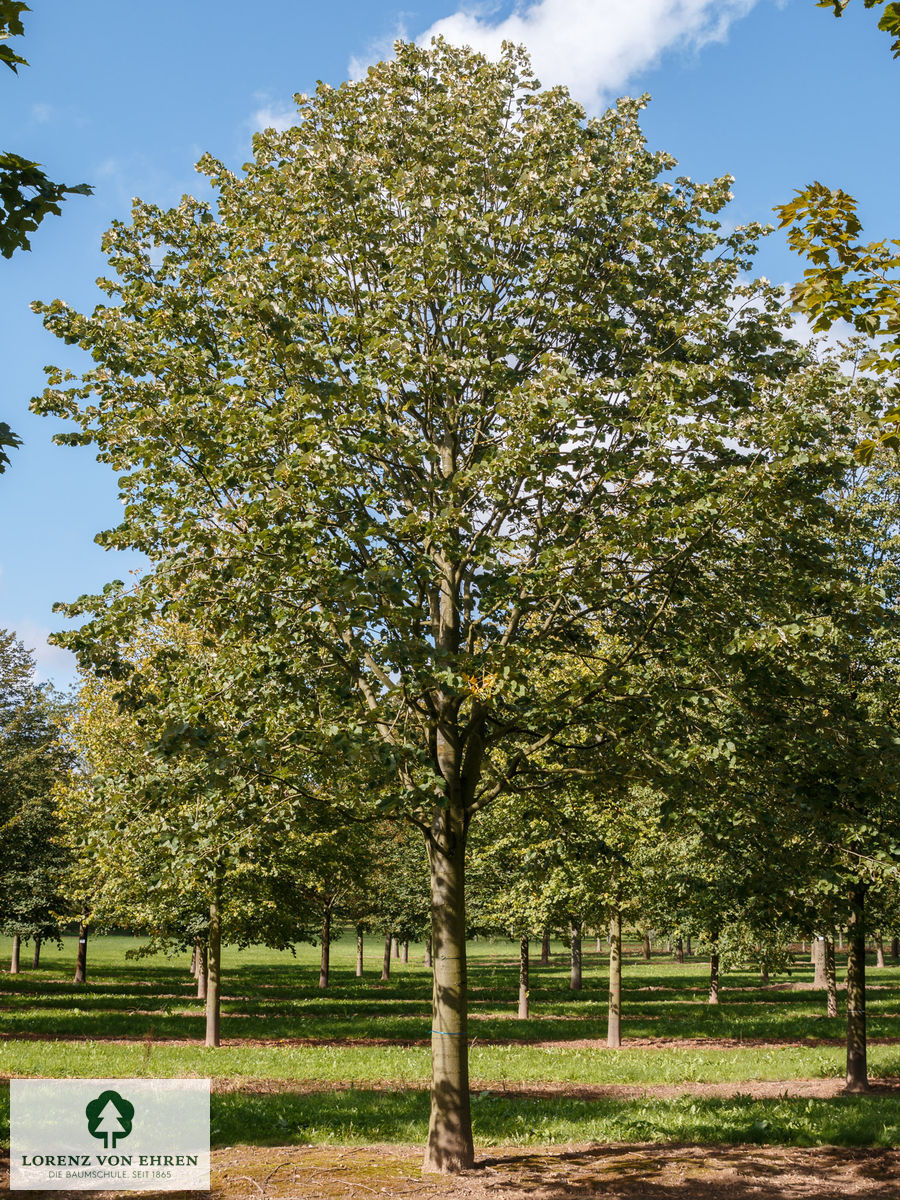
(450, 1148)
(687, 946)
(830, 979)
(81, 956)
(599, 944)
(395, 947)
(36, 957)
(575, 972)
(614, 1020)
(404, 951)
(16, 950)
(818, 957)
(857, 1073)
(386, 961)
(428, 951)
(523, 979)
(763, 974)
(895, 947)
(714, 974)
(325, 960)
(879, 951)
(213, 975)
(679, 950)
(359, 951)
(545, 948)
(648, 950)
(202, 971)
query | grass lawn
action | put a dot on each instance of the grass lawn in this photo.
(350, 1065)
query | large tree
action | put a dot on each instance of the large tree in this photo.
(449, 378)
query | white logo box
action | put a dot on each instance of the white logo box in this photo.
(109, 1134)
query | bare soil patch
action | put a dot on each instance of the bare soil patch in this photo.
(574, 1172)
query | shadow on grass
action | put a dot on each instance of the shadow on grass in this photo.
(401, 1116)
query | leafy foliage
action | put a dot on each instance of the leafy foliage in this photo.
(889, 20)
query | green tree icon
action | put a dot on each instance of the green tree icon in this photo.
(109, 1117)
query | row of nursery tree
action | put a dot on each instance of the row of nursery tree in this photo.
(486, 499)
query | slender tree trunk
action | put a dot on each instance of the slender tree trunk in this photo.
(687, 946)
(36, 958)
(714, 974)
(404, 951)
(599, 944)
(857, 1074)
(879, 951)
(81, 955)
(648, 950)
(16, 951)
(325, 960)
(840, 939)
(614, 1020)
(575, 972)
(213, 975)
(818, 957)
(359, 951)
(763, 974)
(679, 950)
(450, 1148)
(895, 947)
(395, 947)
(202, 970)
(386, 962)
(523, 979)
(831, 1005)
(545, 948)
(428, 951)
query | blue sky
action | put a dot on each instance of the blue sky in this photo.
(126, 96)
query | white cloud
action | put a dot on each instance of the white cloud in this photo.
(273, 117)
(377, 50)
(594, 46)
(52, 662)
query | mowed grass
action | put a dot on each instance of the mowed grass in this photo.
(270, 996)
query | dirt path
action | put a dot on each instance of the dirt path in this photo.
(576, 1172)
(763, 1089)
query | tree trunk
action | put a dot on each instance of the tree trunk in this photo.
(614, 1020)
(428, 951)
(857, 1074)
(818, 957)
(36, 958)
(679, 950)
(194, 960)
(830, 979)
(879, 951)
(325, 960)
(714, 974)
(81, 956)
(648, 950)
(359, 951)
(545, 948)
(523, 979)
(599, 944)
(14, 960)
(895, 947)
(395, 947)
(404, 951)
(840, 939)
(763, 974)
(687, 946)
(213, 975)
(202, 971)
(386, 963)
(450, 1147)
(575, 972)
